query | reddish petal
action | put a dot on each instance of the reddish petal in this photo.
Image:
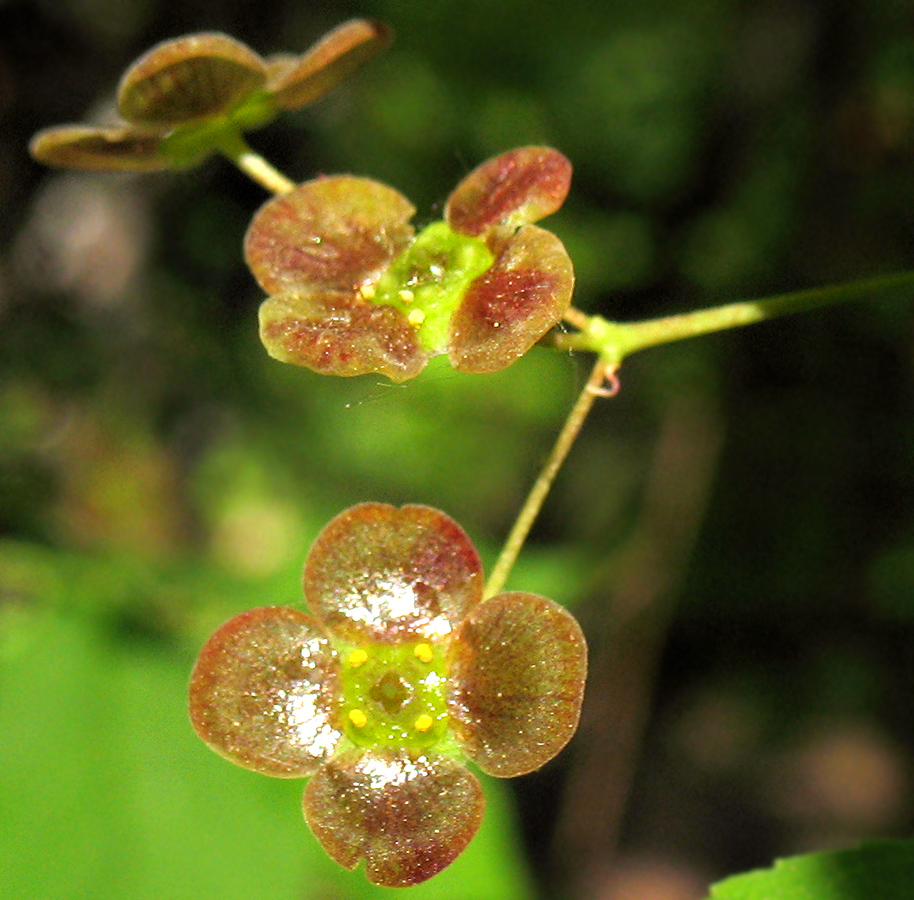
(99, 149)
(334, 233)
(408, 818)
(518, 664)
(334, 334)
(189, 78)
(328, 62)
(507, 310)
(264, 692)
(378, 573)
(516, 188)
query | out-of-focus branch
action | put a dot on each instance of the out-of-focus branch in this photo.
(625, 651)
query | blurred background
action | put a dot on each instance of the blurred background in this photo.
(735, 530)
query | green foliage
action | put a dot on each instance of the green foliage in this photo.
(157, 475)
(108, 794)
(883, 869)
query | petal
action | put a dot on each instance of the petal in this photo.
(189, 78)
(264, 692)
(335, 233)
(508, 309)
(518, 665)
(333, 334)
(516, 188)
(334, 57)
(99, 149)
(378, 573)
(408, 818)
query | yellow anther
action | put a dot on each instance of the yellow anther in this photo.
(360, 720)
(357, 658)
(423, 723)
(367, 291)
(424, 652)
(416, 317)
(406, 295)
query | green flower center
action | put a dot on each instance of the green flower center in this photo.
(187, 143)
(427, 282)
(394, 695)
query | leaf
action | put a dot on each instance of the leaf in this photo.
(881, 870)
(105, 791)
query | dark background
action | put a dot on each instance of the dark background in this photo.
(735, 529)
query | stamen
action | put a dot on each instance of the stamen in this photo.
(416, 317)
(360, 720)
(367, 291)
(423, 723)
(424, 653)
(406, 295)
(357, 658)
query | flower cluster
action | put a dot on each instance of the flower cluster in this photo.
(400, 672)
(188, 97)
(353, 289)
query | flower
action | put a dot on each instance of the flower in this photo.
(401, 671)
(355, 290)
(186, 97)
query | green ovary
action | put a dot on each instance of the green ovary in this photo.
(394, 695)
(427, 282)
(187, 144)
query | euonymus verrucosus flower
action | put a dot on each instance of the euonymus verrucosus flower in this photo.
(355, 290)
(188, 97)
(400, 672)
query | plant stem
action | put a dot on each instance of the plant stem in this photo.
(534, 502)
(236, 148)
(616, 340)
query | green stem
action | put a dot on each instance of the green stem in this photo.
(534, 502)
(616, 340)
(236, 148)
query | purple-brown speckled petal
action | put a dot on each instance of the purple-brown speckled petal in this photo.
(508, 309)
(189, 78)
(336, 334)
(517, 669)
(265, 690)
(99, 149)
(516, 188)
(322, 67)
(379, 573)
(335, 233)
(407, 817)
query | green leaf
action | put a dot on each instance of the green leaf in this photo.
(882, 870)
(106, 793)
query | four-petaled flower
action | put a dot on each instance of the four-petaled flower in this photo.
(191, 96)
(401, 671)
(355, 290)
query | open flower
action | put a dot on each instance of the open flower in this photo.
(355, 290)
(188, 97)
(401, 671)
